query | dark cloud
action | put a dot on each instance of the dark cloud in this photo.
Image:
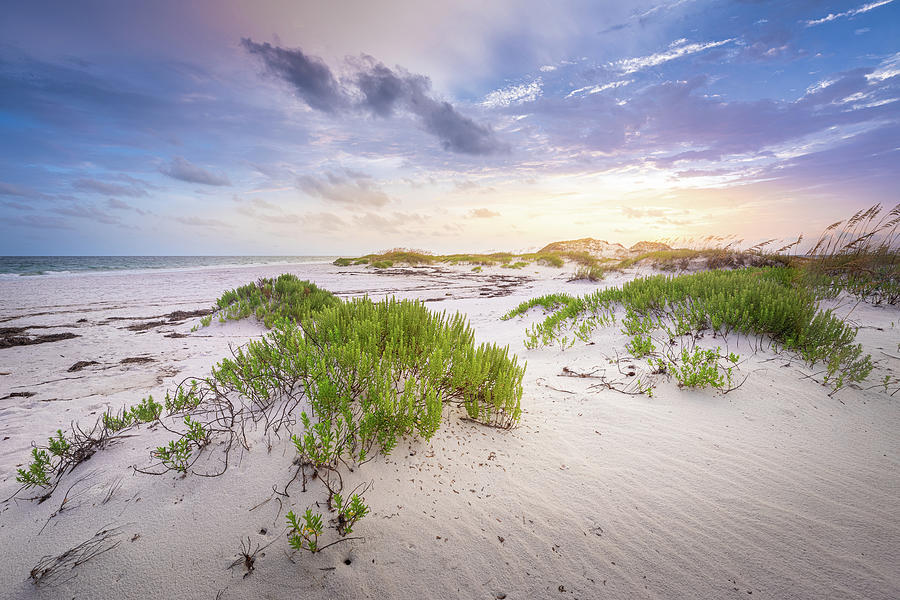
(311, 77)
(380, 91)
(348, 187)
(182, 169)
(109, 189)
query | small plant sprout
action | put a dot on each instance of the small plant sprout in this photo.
(304, 535)
(37, 474)
(350, 513)
(196, 433)
(58, 445)
(176, 455)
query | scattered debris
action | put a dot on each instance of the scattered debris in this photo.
(145, 326)
(18, 395)
(51, 568)
(81, 364)
(22, 340)
(137, 360)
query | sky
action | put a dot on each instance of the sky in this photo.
(346, 127)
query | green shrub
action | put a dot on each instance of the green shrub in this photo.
(700, 368)
(286, 297)
(182, 400)
(383, 264)
(751, 301)
(376, 371)
(147, 411)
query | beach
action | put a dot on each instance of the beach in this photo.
(774, 490)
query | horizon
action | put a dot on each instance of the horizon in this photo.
(276, 129)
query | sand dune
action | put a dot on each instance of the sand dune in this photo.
(775, 490)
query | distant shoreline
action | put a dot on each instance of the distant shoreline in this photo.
(42, 266)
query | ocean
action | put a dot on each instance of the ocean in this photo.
(36, 266)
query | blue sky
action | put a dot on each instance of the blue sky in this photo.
(348, 127)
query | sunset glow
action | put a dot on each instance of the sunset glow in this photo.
(312, 128)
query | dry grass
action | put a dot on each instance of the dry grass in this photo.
(860, 256)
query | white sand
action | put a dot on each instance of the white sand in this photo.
(774, 490)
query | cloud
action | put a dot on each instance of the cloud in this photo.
(482, 213)
(773, 42)
(514, 94)
(596, 89)
(887, 69)
(662, 216)
(349, 187)
(394, 223)
(200, 222)
(677, 49)
(179, 168)
(848, 13)
(36, 222)
(86, 211)
(677, 121)
(376, 89)
(309, 75)
(109, 189)
(9, 189)
(117, 204)
(640, 213)
(466, 185)
(688, 173)
(267, 212)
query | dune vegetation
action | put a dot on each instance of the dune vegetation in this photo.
(504, 259)
(762, 302)
(344, 381)
(271, 300)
